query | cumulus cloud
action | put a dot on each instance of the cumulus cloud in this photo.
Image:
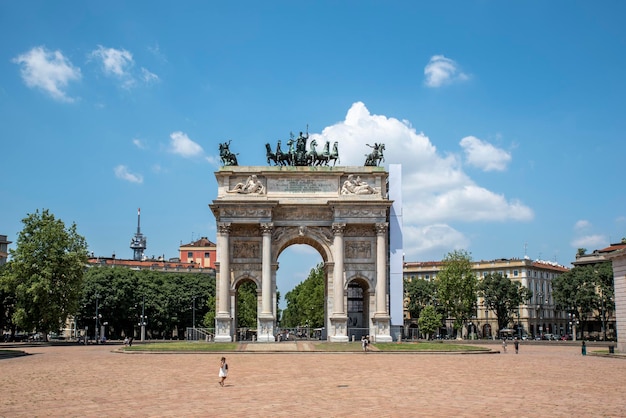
(122, 172)
(582, 225)
(441, 71)
(483, 155)
(49, 71)
(181, 144)
(436, 190)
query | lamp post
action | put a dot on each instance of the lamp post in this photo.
(193, 316)
(572, 324)
(143, 319)
(96, 318)
(540, 315)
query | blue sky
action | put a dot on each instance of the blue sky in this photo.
(508, 117)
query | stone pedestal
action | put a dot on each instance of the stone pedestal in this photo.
(338, 329)
(382, 329)
(223, 333)
(265, 332)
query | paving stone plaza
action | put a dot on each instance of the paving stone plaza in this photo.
(543, 380)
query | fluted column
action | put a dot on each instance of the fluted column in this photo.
(338, 230)
(381, 268)
(223, 243)
(266, 272)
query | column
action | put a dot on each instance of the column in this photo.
(381, 268)
(223, 244)
(338, 308)
(266, 272)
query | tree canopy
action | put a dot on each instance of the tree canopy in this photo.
(419, 293)
(456, 287)
(429, 320)
(503, 296)
(305, 302)
(45, 273)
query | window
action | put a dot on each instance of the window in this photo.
(189, 254)
(207, 255)
(515, 273)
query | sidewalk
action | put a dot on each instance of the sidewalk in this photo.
(97, 381)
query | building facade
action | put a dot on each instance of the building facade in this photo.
(537, 317)
(4, 249)
(201, 252)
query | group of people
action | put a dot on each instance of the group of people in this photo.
(515, 343)
(365, 342)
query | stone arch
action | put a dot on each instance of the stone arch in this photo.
(308, 206)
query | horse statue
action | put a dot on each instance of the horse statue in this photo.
(311, 156)
(282, 158)
(270, 155)
(375, 157)
(228, 158)
(326, 156)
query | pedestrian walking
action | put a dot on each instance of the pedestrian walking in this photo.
(516, 344)
(504, 345)
(364, 343)
(223, 371)
(584, 349)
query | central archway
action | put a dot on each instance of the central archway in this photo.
(320, 207)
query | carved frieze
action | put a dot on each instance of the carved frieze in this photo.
(246, 249)
(359, 231)
(358, 249)
(245, 212)
(361, 212)
(292, 213)
(245, 230)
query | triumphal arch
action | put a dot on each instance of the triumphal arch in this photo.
(342, 212)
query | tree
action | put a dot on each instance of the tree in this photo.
(456, 287)
(429, 320)
(586, 291)
(503, 296)
(246, 305)
(419, 293)
(305, 302)
(46, 273)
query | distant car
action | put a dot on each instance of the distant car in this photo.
(566, 337)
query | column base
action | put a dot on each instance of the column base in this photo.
(382, 328)
(223, 331)
(338, 329)
(265, 332)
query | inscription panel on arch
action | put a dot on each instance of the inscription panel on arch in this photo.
(308, 184)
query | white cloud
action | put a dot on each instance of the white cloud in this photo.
(149, 77)
(582, 225)
(483, 155)
(594, 241)
(181, 144)
(120, 64)
(441, 71)
(436, 191)
(49, 71)
(139, 143)
(122, 172)
(116, 62)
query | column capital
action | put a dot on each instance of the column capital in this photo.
(381, 228)
(224, 228)
(267, 228)
(339, 228)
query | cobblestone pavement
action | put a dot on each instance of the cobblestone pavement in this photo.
(96, 381)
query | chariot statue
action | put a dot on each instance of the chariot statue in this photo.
(228, 158)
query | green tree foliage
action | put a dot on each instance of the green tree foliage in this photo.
(585, 291)
(419, 293)
(246, 305)
(305, 302)
(167, 300)
(7, 300)
(209, 317)
(457, 287)
(503, 296)
(45, 273)
(429, 320)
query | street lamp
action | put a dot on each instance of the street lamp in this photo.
(143, 320)
(193, 317)
(96, 318)
(573, 321)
